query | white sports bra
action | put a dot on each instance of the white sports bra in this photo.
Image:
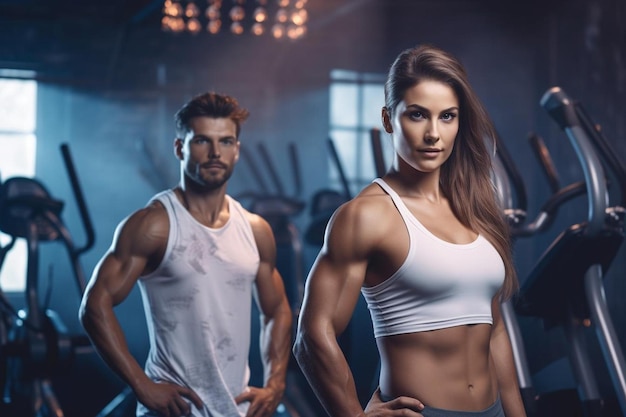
(439, 285)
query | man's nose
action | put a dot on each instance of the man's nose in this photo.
(214, 151)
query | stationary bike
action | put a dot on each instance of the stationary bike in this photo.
(34, 342)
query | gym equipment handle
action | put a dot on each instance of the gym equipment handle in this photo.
(514, 175)
(606, 150)
(543, 156)
(80, 200)
(562, 110)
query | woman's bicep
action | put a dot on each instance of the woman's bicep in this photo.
(335, 279)
(331, 293)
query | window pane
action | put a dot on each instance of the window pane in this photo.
(18, 155)
(344, 105)
(343, 75)
(13, 272)
(356, 101)
(367, 169)
(385, 144)
(345, 142)
(373, 102)
(19, 145)
(18, 99)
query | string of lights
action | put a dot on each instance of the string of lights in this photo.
(282, 19)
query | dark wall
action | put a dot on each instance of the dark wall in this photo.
(119, 127)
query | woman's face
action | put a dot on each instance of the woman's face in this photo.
(424, 125)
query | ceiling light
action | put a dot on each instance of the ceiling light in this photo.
(282, 19)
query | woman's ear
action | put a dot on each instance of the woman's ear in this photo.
(386, 120)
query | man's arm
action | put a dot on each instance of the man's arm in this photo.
(136, 242)
(502, 355)
(276, 322)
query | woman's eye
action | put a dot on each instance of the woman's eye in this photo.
(448, 116)
(416, 115)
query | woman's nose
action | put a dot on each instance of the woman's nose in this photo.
(432, 134)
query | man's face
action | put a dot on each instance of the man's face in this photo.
(209, 151)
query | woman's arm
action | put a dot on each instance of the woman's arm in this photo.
(331, 293)
(502, 356)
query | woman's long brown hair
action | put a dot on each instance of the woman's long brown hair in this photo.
(466, 175)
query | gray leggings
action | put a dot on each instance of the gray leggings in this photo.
(495, 410)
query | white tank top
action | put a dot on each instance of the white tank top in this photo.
(198, 305)
(439, 285)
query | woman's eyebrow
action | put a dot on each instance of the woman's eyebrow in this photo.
(425, 110)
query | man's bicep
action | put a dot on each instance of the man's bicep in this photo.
(114, 278)
(269, 289)
(134, 243)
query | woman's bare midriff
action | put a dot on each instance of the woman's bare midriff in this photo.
(448, 368)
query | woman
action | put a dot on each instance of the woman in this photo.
(428, 247)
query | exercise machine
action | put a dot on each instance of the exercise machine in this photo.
(511, 193)
(565, 288)
(325, 201)
(34, 342)
(280, 210)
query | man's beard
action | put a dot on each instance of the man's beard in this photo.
(212, 182)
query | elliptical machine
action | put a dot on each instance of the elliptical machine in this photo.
(565, 287)
(34, 343)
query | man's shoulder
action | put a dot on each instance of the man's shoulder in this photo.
(152, 216)
(259, 225)
(238, 207)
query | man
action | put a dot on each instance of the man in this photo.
(198, 257)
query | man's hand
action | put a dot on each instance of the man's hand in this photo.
(167, 399)
(401, 406)
(263, 401)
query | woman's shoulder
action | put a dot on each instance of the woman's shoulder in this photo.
(367, 214)
(371, 200)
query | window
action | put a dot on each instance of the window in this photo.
(356, 100)
(18, 99)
